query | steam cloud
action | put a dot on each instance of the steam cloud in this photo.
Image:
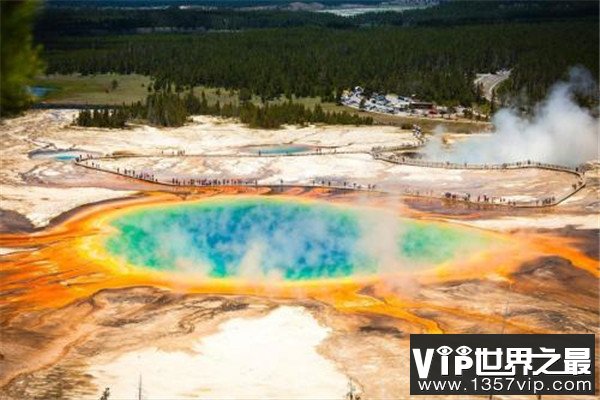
(558, 132)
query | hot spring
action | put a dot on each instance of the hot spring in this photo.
(279, 149)
(59, 154)
(291, 239)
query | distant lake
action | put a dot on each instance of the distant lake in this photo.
(39, 91)
(352, 11)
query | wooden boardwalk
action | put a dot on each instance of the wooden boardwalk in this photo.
(94, 163)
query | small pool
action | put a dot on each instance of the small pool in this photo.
(39, 91)
(278, 149)
(58, 155)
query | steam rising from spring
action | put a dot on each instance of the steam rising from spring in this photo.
(559, 131)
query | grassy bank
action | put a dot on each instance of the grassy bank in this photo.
(93, 89)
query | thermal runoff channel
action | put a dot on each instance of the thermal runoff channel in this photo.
(289, 239)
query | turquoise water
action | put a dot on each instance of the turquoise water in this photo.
(59, 155)
(65, 157)
(39, 91)
(281, 149)
(291, 239)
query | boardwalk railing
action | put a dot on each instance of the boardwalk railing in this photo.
(393, 158)
(93, 162)
(149, 177)
(217, 155)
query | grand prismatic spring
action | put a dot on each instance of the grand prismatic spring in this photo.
(287, 238)
(256, 244)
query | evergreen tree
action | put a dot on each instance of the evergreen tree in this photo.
(19, 60)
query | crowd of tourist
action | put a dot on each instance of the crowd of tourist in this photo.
(91, 161)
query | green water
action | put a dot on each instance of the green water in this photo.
(291, 239)
(281, 149)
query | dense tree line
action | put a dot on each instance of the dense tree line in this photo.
(161, 108)
(165, 108)
(74, 21)
(437, 64)
(273, 116)
(105, 118)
